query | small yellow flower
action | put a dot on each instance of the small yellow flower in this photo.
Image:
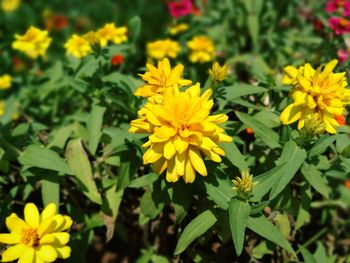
(178, 28)
(33, 43)
(314, 125)
(112, 33)
(218, 73)
(319, 91)
(92, 37)
(5, 81)
(37, 238)
(10, 5)
(163, 49)
(78, 46)
(2, 107)
(243, 185)
(161, 78)
(182, 131)
(202, 49)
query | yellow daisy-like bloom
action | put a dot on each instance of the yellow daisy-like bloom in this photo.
(161, 78)
(163, 49)
(112, 33)
(33, 43)
(39, 238)
(78, 46)
(178, 28)
(319, 91)
(181, 132)
(202, 49)
(243, 185)
(92, 37)
(10, 5)
(5, 81)
(218, 73)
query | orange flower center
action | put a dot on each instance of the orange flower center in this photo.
(30, 237)
(343, 22)
(341, 3)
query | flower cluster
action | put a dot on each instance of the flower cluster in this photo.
(339, 24)
(33, 43)
(81, 46)
(179, 123)
(202, 49)
(160, 49)
(318, 95)
(37, 238)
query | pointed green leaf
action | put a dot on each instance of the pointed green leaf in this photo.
(314, 177)
(94, 126)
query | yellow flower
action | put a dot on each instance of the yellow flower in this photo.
(33, 43)
(5, 81)
(10, 5)
(319, 91)
(161, 78)
(178, 28)
(92, 37)
(181, 132)
(243, 185)
(39, 238)
(2, 107)
(78, 46)
(112, 33)
(163, 49)
(218, 73)
(202, 49)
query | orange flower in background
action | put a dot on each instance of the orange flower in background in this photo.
(56, 22)
(340, 119)
(117, 60)
(249, 131)
(347, 184)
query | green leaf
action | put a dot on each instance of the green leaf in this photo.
(79, 163)
(94, 126)
(308, 257)
(38, 156)
(239, 90)
(322, 144)
(135, 27)
(128, 167)
(50, 191)
(195, 229)
(233, 154)
(180, 195)
(59, 137)
(314, 177)
(144, 180)
(304, 207)
(238, 212)
(294, 156)
(266, 229)
(267, 135)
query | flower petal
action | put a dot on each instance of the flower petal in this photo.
(47, 253)
(31, 215)
(28, 256)
(13, 238)
(13, 253)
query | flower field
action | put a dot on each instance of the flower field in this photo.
(174, 131)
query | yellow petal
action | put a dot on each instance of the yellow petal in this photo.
(15, 224)
(153, 154)
(171, 175)
(197, 161)
(180, 159)
(49, 211)
(47, 253)
(28, 255)
(47, 239)
(190, 172)
(12, 238)
(47, 226)
(63, 252)
(13, 252)
(62, 238)
(31, 215)
(160, 165)
(169, 150)
(180, 144)
(290, 114)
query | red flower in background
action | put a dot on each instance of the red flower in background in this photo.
(117, 60)
(180, 8)
(335, 5)
(339, 25)
(347, 184)
(56, 22)
(343, 55)
(340, 119)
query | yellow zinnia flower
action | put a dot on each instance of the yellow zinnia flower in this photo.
(33, 43)
(202, 49)
(178, 28)
(10, 5)
(181, 132)
(218, 73)
(39, 238)
(78, 46)
(112, 33)
(161, 78)
(163, 49)
(319, 92)
(5, 81)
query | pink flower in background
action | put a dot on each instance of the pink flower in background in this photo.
(343, 55)
(180, 8)
(346, 9)
(339, 25)
(333, 5)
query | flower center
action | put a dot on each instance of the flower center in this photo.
(30, 237)
(341, 3)
(343, 22)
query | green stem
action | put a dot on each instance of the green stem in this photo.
(313, 239)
